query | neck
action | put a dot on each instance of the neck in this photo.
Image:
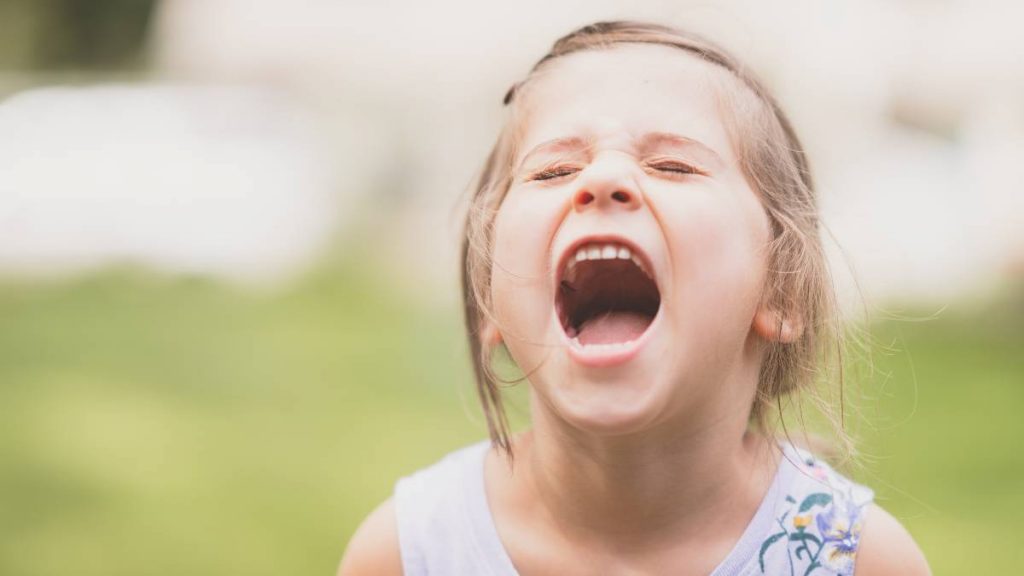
(644, 490)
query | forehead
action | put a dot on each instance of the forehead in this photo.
(622, 93)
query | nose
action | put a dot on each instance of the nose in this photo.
(606, 185)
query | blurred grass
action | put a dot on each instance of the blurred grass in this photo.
(159, 425)
(177, 426)
(942, 444)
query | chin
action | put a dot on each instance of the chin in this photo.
(606, 401)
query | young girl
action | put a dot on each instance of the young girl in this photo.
(644, 242)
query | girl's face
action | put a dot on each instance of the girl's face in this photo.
(630, 251)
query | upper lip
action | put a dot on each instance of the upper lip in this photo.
(570, 251)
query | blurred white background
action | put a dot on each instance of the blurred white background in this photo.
(260, 130)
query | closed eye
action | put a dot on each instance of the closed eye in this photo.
(672, 167)
(675, 168)
(552, 173)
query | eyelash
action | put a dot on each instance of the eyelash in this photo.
(677, 168)
(552, 173)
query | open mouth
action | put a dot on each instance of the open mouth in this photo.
(606, 295)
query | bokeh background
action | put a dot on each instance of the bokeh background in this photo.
(228, 233)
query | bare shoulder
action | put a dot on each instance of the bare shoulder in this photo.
(886, 548)
(373, 549)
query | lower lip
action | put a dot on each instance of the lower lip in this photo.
(607, 355)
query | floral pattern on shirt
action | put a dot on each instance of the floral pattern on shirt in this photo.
(821, 531)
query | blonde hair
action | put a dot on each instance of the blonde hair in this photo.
(774, 163)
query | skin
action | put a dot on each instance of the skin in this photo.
(645, 466)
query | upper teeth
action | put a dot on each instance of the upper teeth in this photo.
(604, 251)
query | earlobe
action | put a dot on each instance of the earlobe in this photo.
(489, 335)
(774, 327)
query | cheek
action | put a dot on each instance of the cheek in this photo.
(719, 248)
(520, 274)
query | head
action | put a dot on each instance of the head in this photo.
(644, 240)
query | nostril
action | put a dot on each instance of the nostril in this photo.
(584, 198)
(620, 196)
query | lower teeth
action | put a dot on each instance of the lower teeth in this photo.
(576, 341)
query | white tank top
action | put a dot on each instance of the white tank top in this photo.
(808, 523)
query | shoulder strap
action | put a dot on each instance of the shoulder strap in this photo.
(435, 530)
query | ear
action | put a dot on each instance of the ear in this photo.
(489, 335)
(773, 326)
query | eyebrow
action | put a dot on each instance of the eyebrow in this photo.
(648, 140)
(555, 145)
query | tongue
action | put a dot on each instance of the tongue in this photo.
(613, 327)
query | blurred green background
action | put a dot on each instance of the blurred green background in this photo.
(157, 423)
